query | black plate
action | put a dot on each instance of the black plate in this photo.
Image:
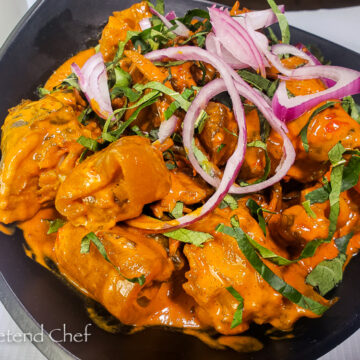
(50, 33)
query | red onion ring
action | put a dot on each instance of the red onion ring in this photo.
(328, 82)
(167, 128)
(236, 39)
(171, 15)
(259, 19)
(181, 29)
(208, 92)
(347, 83)
(145, 24)
(93, 82)
(235, 161)
(215, 47)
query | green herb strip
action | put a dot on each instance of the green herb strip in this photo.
(271, 278)
(267, 168)
(55, 225)
(85, 248)
(178, 210)
(196, 238)
(329, 273)
(350, 178)
(175, 105)
(303, 132)
(155, 85)
(200, 121)
(283, 23)
(90, 144)
(307, 206)
(337, 161)
(203, 160)
(237, 318)
(256, 212)
(349, 105)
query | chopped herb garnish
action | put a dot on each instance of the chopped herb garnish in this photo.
(42, 92)
(178, 209)
(283, 23)
(155, 85)
(337, 161)
(85, 248)
(90, 144)
(329, 273)
(267, 168)
(274, 39)
(256, 212)
(268, 275)
(350, 106)
(303, 132)
(200, 121)
(203, 160)
(220, 147)
(237, 318)
(196, 238)
(228, 201)
(350, 178)
(55, 225)
(307, 206)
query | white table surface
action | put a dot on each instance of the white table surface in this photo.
(341, 26)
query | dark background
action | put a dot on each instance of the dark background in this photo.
(295, 4)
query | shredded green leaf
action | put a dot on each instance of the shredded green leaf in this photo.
(350, 178)
(303, 132)
(55, 225)
(178, 209)
(327, 274)
(268, 275)
(350, 106)
(237, 318)
(85, 248)
(200, 121)
(283, 23)
(307, 206)
(196, 238)
(257, 212)
(90, 144)
(155, 85)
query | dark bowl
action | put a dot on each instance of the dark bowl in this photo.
(50, 33)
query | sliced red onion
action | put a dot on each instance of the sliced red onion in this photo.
(236, 39)
(93, 82)
(328, 82)
(181, 29)
(347, 83)
(208, 92)
(145, 24)
(235, 161)
(214, 46)
(259, 19)
(171, 15)
(167, 128)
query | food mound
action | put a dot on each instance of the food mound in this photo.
(192, 172)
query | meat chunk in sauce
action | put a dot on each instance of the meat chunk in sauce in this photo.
(114, 184)
(220, 263)
(119, 24)
(39, 149)
(133, 253)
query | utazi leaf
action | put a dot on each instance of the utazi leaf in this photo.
(283, 23)
(55, 225)
(90, 144)
(237, 318)
(267, 274)
(85, 248)
(196, 238)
